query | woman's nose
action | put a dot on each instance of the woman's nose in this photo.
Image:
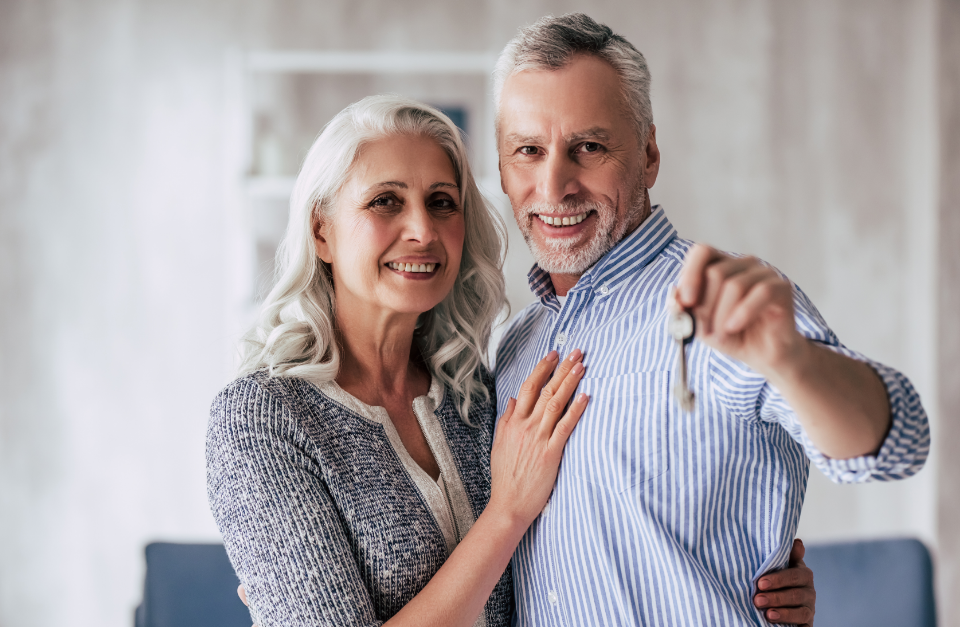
(419, 224)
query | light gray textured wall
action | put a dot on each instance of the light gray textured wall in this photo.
(806, 133)
(948, 494)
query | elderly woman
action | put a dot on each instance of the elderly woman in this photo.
(353, 469)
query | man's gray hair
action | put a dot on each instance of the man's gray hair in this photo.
(551, 42)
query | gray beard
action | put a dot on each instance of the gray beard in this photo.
(560, 257)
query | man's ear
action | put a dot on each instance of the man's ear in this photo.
(321, 241)
(651, 164)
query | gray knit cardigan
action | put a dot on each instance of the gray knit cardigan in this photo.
(321, 521)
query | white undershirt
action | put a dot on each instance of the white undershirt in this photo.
(562, 300)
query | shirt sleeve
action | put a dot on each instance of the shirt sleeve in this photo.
(747, 394)
(280, 528)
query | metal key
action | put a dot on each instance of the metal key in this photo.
(681, 328)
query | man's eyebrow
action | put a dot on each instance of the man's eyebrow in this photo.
(597, 132)
(517, 138)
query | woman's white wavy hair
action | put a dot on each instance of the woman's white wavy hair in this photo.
(294, 334)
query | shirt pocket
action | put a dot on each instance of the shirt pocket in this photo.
(623, 438)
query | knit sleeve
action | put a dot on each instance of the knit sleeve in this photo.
(281, 530)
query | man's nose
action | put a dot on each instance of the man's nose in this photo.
(558, 178)
(419, 224)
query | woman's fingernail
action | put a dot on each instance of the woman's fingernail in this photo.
(582, 398)
(552, 355)
(577, 369)
(574, 355)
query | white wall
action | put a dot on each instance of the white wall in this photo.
(805, 133)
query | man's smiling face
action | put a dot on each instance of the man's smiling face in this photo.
(571, 163)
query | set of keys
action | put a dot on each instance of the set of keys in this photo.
(682, 327)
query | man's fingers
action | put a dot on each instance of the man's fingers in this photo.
(796, 577)
(790, 615)
(790, 597)
(691, 276)
(716, 277)
(530, 390)
(769, 291)
(733, 292)
(797, 553)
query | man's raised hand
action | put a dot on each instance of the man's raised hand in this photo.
(743, 308)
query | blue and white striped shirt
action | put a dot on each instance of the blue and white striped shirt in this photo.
(661, 517)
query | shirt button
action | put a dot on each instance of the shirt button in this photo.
(552, 597)
(561, 339)
(604, 289)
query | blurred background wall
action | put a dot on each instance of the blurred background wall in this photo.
(822, 136)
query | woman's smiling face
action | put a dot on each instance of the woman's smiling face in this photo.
(396, 235)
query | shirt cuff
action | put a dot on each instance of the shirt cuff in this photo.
(902, 453)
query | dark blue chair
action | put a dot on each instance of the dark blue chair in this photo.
(190, 585)
(884, 583)
(880, 583)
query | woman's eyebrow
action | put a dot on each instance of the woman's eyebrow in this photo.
(386, 184)
(402, 185)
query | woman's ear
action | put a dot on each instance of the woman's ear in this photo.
(321, 239)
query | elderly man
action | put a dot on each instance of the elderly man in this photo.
(663, 516)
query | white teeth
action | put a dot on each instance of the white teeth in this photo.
(564, 221)
(412, 267)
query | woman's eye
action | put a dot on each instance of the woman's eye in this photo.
(383, 201)
(444, 204)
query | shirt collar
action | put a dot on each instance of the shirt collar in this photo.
(628, 256)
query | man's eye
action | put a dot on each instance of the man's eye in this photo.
(590, 147)
(528, 150)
